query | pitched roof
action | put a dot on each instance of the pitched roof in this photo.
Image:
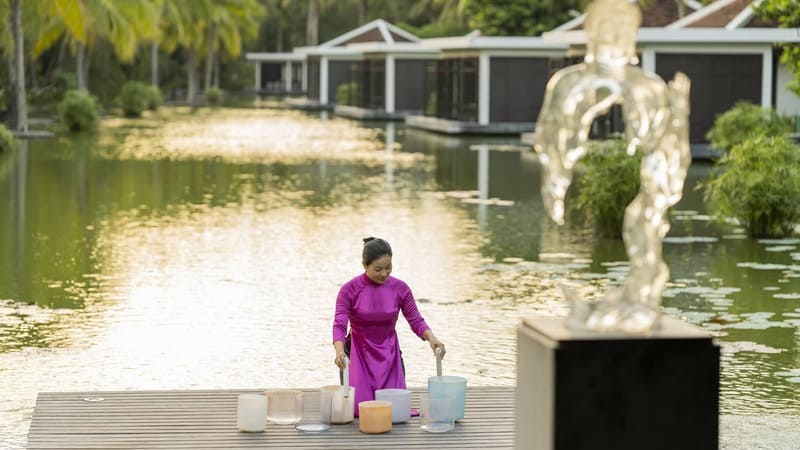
(660, 14)
(727, 14)
(725, 22)
(378, 30)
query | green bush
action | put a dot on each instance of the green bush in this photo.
(743, 121)
(347, 94)
(3, 99)
(51, 93)
(7, 140)
(154, 99)
(609, 181)
(758, 183)
(214, 96)
(78, 110)
(134, 98)
(430, 106)
(237, 75)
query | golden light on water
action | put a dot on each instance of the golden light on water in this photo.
(264, 283)
(260, 136)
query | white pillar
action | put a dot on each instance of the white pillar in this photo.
(766, 78)
(323, 80)
(258, 76)
(483, 89)
(649, 60)
(304, 77)
(389, 88)
(287, 76)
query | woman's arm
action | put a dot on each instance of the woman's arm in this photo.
(409, 307)
(340, 320)
(433, 341)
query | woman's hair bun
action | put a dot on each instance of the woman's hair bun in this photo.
(374, 248)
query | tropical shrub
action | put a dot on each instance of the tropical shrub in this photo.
(134, 98)
(3, 99)
(7, 140)
(78, 111)
(609, 181)
(430, 106)
(214, 96)
(758, 183)
(743, 121)
(346, 93)
(154, 99)
(45, 95)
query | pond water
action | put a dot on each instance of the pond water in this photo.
(205, 250)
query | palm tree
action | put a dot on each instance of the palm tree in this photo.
(312, 23)
(278, 16)
(123, 24)
(195, 14)
(170, 31)
(228, 23)
(17, 68)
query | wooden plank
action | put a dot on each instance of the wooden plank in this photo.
(207, 419)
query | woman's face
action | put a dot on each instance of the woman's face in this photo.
(379, 269)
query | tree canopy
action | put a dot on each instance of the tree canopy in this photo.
(520, 17)
(787, 13)
(97, 45)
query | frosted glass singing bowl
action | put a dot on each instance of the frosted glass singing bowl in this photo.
(336, 406)
(285, 406)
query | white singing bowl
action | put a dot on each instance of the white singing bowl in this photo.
(400, 400)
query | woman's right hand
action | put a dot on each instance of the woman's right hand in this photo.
(338, 347)
(340, 360)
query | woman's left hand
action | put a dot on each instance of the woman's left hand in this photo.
(434, 342)
(437, 344)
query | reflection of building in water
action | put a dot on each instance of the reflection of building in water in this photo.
(497, 183)
(505, 173)
(389, 138)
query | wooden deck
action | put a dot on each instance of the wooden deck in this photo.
(207, 419)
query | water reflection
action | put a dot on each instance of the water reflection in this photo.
(206, 250)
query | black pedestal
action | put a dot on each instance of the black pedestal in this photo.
(581, 390)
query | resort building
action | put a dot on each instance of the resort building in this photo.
(728, 52)
(389, 82)
(370, 57)
(488, 84)
(279, 73)
(495, 85)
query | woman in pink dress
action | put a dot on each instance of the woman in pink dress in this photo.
(371, 303)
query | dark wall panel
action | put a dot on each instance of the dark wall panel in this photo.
(517, 88)
(312, 68)
(410, 89)
(375, 84)
(718, 82)
(457, 89)
(338, 74)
